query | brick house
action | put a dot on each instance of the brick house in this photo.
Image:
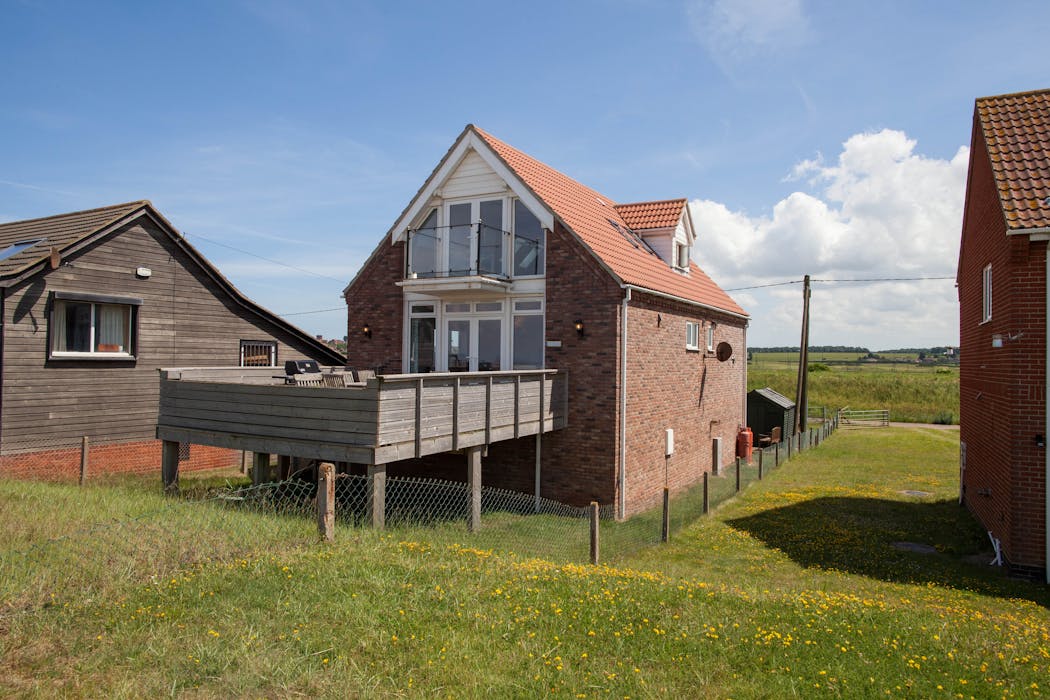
(94, 303)
(500, 262)
(1003, 301)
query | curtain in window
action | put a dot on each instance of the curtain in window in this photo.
(112, 324)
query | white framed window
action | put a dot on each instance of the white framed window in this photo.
(92, 326)
(681, 256)
(692, 335)
(258, 353)
(986, 301)
(527, 342)
(710, 338)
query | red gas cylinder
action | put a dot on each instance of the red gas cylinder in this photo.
(744, 441)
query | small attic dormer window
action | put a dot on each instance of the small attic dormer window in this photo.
(681, 256)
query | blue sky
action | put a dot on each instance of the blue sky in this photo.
(826, 138)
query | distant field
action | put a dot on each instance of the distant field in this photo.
(912, 392)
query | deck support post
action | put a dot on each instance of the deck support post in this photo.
(284, 467)
(474, 479)
(169, 465)
(377, 495)
(260, 468)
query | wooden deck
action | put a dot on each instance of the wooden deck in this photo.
(386, 419)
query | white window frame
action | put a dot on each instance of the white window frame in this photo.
(523, 310)
(710, 337)
(95, 301)
(692, 336)
(986, 296)
(681, 250)
(258, 346)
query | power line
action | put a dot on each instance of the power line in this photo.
(759, 287)
(275, 262)
(858, 279)
(888, 279)
(318, 311)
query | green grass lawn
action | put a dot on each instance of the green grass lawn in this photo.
(794, 588)
(912, 393)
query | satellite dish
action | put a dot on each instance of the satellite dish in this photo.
(724, 351)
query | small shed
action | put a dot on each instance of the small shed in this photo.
(768, 409)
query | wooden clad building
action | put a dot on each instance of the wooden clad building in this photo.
(93, 304)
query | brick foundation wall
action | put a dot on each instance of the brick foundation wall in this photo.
(690, 392)
(1002, 390)
(63, 463)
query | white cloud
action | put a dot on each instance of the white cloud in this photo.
(881, 210)
(733, 30)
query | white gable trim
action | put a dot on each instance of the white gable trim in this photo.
(470, 141)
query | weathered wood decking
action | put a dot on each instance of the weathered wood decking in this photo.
(386, 419)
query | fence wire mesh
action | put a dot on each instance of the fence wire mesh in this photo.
(223, 519)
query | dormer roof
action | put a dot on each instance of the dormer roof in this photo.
(643, 216)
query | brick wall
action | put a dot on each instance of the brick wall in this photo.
(690, 392)
(374, 298)
(63, 463)
(1002, 390)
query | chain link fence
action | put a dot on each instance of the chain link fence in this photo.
(221, 518)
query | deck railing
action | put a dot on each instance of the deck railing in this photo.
(388, 418)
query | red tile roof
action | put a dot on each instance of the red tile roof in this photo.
(1016, 131)
(640, 216)
(599, 224)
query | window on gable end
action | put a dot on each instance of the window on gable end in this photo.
(92, 326)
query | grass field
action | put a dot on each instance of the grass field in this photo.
(913, 393)
(794, 588)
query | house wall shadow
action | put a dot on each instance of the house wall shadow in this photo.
(857, 536)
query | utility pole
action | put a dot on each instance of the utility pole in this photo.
(801, 397)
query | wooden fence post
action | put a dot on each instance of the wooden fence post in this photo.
(376, 497)
(326, 501)
(474, 481)
(707, 502)
(169, 466)
(83, 459)
(738, 474)
(665, 531)
(761, 453)
(776, 454)
(594, 533)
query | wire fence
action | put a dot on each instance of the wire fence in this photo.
(218, 519)
(79, 458)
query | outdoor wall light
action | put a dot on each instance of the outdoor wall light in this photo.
(578, 325)
(366, 331)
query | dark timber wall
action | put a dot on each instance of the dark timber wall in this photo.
(186, 319)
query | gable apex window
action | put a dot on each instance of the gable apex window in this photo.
(92, 326)
(986, 285)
